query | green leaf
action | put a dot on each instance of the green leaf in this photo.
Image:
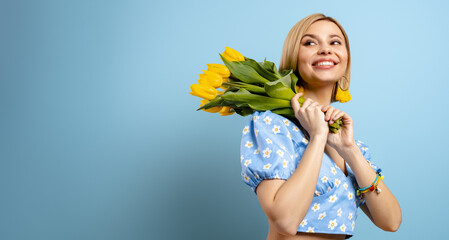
(249, 87)
(260, 69)
(256, 102)
(294, 79)
(270, 66)
(281, 88)
(243, 72)
(244, 111)
(217, 101)
(286, 112)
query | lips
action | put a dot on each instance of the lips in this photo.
(324, 60)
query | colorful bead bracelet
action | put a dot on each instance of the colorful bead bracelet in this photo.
(373, 186)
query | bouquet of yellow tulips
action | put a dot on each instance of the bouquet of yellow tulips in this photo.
(248, 86)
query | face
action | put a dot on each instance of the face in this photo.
(323, 56)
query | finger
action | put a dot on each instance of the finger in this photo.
(306, 103)
(313, 105)
(347, 120)
(325, 107)
(333, 117)
(344, 117)
(294, 101)
(329, 113)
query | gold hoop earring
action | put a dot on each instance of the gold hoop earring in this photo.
(342, 95)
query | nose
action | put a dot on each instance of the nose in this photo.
(325, 49)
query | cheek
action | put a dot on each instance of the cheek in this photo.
(303, 59)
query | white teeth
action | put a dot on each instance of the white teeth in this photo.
(325, 63)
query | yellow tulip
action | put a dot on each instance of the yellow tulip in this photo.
(203, 91)
(211, 78)
(232, 55)
(225, 111)
(212, 109)
(220, 69)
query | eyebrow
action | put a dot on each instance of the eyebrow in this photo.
(313, 36)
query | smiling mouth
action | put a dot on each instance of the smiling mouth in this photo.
(325, 63)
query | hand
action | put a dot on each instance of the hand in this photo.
(345, 135)
(310, 116)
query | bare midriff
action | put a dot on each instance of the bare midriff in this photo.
(273, 235)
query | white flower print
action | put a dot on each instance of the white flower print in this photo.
(249, 144)
(256, 151)
(247, 162)
(339, 212)
(267, 120)
(321, 216)
(296, 129)
(303, 223)
(333, 170)
(280, 153)
(267, 153)
(246, 178)
(350, 216)
(304, 140)
(332, 224)
(245, 130)
(276, 129)
(287, 122)
(317, 193)
(333, 198)
(256, 131)
(329, 189)
(285, 163)
(359, 141)
(255, 118)
(316, 207)
(289, 136)
(276, 177)
(283, 148)
(267, 166)
(268, 140)
(256, 175)
(310, 229)
(364, 148)
(345, 185)
(353, 224)
(358, 144)
(343, 228)
(350, 195)
(337, 182)
(241, 158)
(324, 179)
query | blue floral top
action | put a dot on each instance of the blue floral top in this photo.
(272, 147)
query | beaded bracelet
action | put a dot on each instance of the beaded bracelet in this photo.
(373, 186)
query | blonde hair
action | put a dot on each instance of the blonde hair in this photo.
(290, 51)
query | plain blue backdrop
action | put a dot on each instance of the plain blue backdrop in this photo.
(100, 138)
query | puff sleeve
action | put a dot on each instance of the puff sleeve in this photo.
(267, 149)
(367, 154)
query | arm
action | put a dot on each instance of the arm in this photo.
(383, 209)
(286, 202)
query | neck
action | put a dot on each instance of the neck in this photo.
(321, 94)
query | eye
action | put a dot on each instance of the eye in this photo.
(338, 42)
(308, 43)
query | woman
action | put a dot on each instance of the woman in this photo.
(305, 177)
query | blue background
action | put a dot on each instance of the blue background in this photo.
(100, 138)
